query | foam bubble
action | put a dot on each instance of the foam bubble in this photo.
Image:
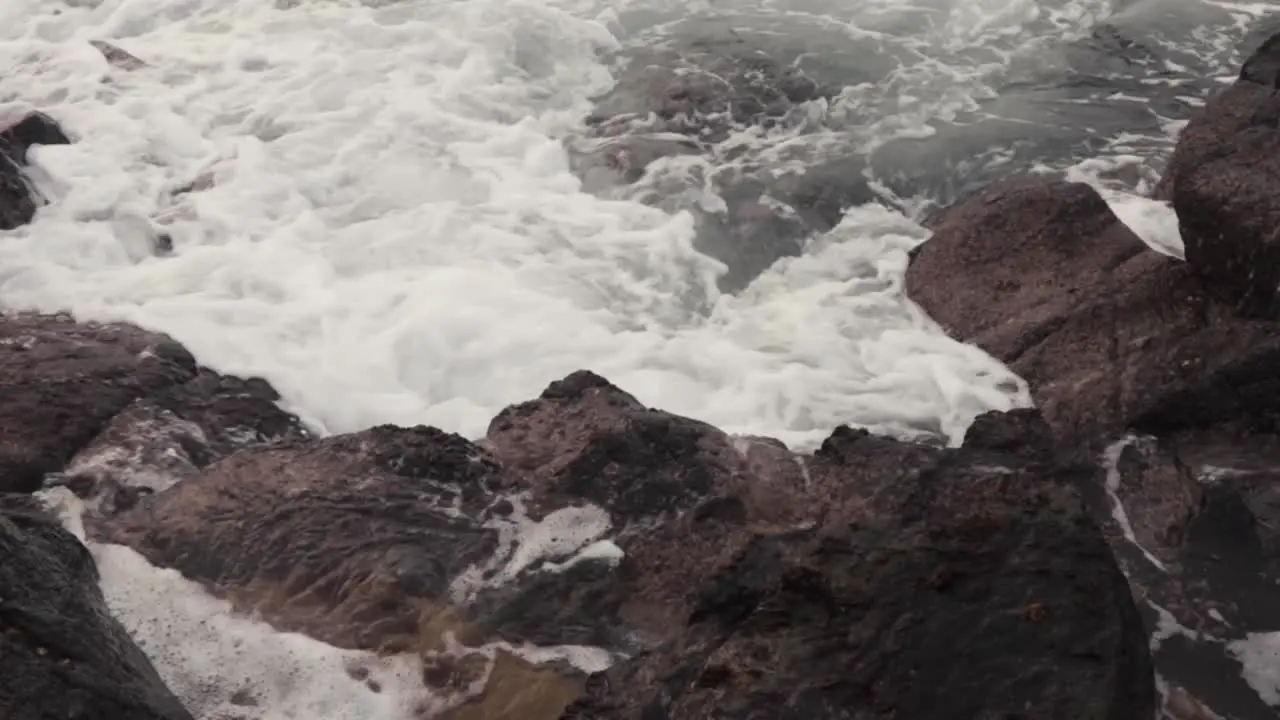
(1260, 655)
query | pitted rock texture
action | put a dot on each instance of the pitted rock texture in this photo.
(1194, 520)
(1222, 181)
(389, 538)
(168, 436)
(1109, 334)
(959, 584)
(1146, 363)
(63, 654)
(63, 381)
(112, 410)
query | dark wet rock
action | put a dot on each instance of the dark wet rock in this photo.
(62, 382)
(34, 128)
(18, 200)
(1109, 334)
(352, 539)
(951, 583)
(1113, 337)
(168, 436)
(694, 552)
(63, 654)
(1223, 181)
(1194, 519)
(117, 57)
(585, 439)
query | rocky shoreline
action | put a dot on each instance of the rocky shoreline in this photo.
(1110, 554)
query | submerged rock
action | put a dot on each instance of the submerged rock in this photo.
(1223, 184)
(117, 57)
(18, 200)
(1109, 334)
(63, 654)
(585, 518)
(678, 130)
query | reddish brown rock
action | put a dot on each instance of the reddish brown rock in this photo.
(1109, 334)
(1224, 181)
(1194, 520)
(170, 435)
(696, 553)
(61, 382)
(949, 583)
(1113, 337)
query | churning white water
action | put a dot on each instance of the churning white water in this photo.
(389, 231)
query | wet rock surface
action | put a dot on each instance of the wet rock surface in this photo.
(942, 571)
(63, 381)
(1064, 562)
(18, 200)
(62, 652)
(170, 435)
(1222, 181)
(1164, 369)
(585, 518)
(1109, 334)
(102, 407)
(1193, 521)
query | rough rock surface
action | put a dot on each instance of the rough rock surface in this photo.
(1114, 338)
(169, 435)
(1109, 334)
(736, 557)
(1194, 519)
(63, 654)
(108, 406)
(17, 200)
(62, 382)
(1222, 181)
(957, 584)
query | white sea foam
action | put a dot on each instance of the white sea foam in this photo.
(391, 233)
(1259, 653)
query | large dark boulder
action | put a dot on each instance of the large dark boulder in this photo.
(1224, 181)
(585, 518)
(18, 201)
(63, 655)
(1134, 356)
(1109, 334)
